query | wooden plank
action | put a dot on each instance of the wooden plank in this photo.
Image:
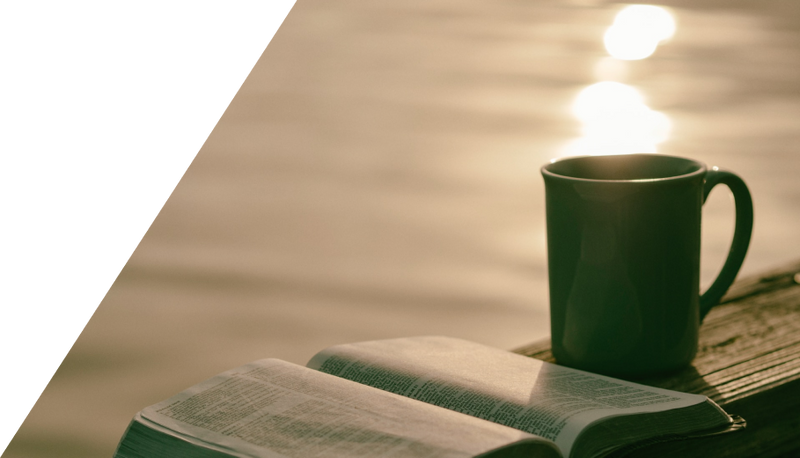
(748, 361)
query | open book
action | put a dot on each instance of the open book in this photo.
(415, 397)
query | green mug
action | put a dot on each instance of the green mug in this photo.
(623, 242)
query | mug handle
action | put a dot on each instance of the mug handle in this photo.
(741, 235)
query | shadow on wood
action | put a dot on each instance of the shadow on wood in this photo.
(748, 361)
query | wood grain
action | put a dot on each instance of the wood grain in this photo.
(748, 362)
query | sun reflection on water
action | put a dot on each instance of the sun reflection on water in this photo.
(614, 116)
(637, 31)
(616, 120)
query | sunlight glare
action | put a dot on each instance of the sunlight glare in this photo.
(616, 120)
(606, 98)
(637, 31)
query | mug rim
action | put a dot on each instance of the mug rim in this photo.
(701, 168)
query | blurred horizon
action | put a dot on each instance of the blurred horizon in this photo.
(377, 176)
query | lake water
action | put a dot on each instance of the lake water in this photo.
(378, 176)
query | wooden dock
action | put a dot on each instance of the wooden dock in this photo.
(748, 362)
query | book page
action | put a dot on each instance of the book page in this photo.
(545, 399)
(271, 408)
